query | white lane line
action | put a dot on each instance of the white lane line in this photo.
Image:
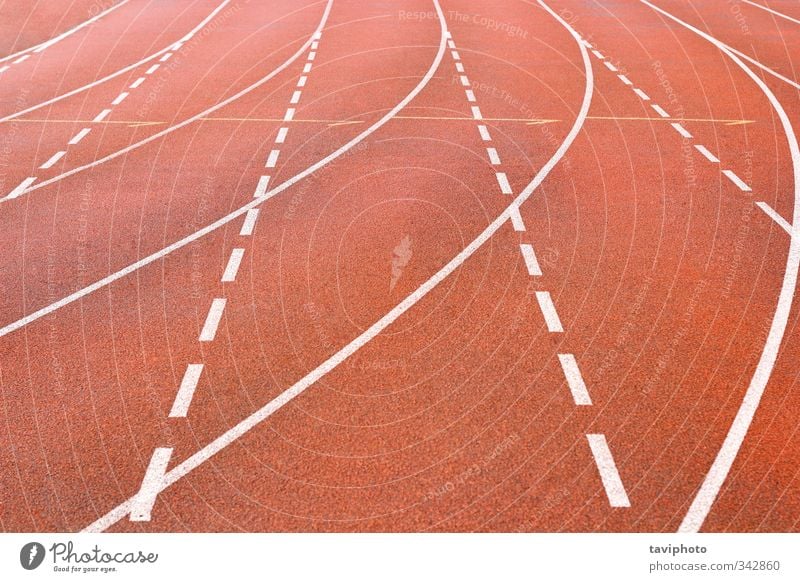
(460, 67)
(318, 34)
(152, 484)
(301, 82)
(736, 180)
(136, 83)
(484, 133)
(775, 12)
(610, 66)
(165, 58)
(180, 407)
(243, 427)
(289, 114)
(273, 158)
(261, 188)
(456, 56)
(775, 216)
(470, 95)
(660, 110)
(48, 43)
(79, 136)
(531, 263)
(315, 45)
(295, 97)
(21, 59)
(549, 312)
(718, 473)
(681, 130)
(516, 220)
(476, 112)
(493, 157)
(625, 79)
(177, 46)
(51, 162)
(120, 98)
(102, 115)
(598, 54)
(110, 76)
(707, 154)
(4, 68)
(152, 69)
(447, 34)
(19, 190)
(502, 179)
(232, 268)
(612, 482)
(451, 44)
(641, 94)
(587, 44)
(209, 331)
(249, 222)
(307, 68)
(312, 55)
(577, 387)
(464, 80)
(281, 137)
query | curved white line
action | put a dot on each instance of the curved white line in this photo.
(775, 12)
(733, 441)
(119, 72)
(48, 43)
(254, 419)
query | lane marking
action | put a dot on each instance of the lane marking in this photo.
(209, 331)
(315, 45)
(625, 79)
(612, 482)
(736, 180)
(249, 222)
(282, 135)
(451, 44)
(289, 114)
(775, 216)
(231, 435)
(681, 130)
(152, 484)
(152, 69)
(21, 59)
(165, 58)
(120, 98)
(598, 54)
(460, 67)
(307, 68)
(273, 158)
(493, 157)
(101, 116)
(641, 94)
(79, 136)
(470, 95)
(180, 407)
(261, 188)
(4, 68)
(577, 386)
(610, 66)
(295, 97)
(136, 83)
(232, 268)
(19, 190)
(456, 56)
(484, 133)
(775, 12)
(476, 112)
(51, 162)
(549, 312)
(658, 109)
(502, 179)
(516, 220)
(312, 55)
(531, 263)
(301, 82)
(707, 154)
(718, 472)
(464, 80)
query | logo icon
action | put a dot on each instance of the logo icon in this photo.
(31, 555)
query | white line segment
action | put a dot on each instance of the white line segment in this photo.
(577, 386)
(209, 331)
(612, 482)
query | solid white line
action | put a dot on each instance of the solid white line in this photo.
(775, 216)
(549, 312)
(272, 159)
(19, 190)
(209, 331)
(476, 112)
(681, 130)
(249, 222)
(493, 157)
(295, 97)
(21, 59)
(307, 68)
(152, 484)
(531, 263)
(658, 109)
(610, 66)
(261, 188)
(456, 56)
(470, 95)
(707, 154)
(775, 12)
(180, 407)
(484, 133)
(235, 432)
(312, 55)
(232, 268)
(281, 137)
(120, 98)
(102, 115)
(625, 79)
(598, 54)
(736, 180)
(612, 482)
(464, 81)
(289, 114)
(718, 473)
(502, 179)
(152, 69)
(577, 386)
(79, 136)
(301, 82)
(51, 162)
(460, 67)
(516, 220)
(165, 58)
(641, 94)
(136, 83)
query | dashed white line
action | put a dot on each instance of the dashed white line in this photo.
(249, 222)
(315, 45)
(152, 69)
(707, 154)
(736, 180)
(19, 190)
(456, 56)
(282, 135)
(775, 216)
(79, 136)
(312, 55)
(136, 83)
(549, 312)
(658, 109)
(232, 268)
(307, 68)
(531, 263)
(289, 114)
(180, 407)
(145, 499)
(261, 188)
(165, 58)
(612, 482)
(51, 162)
(516, 220)
(209, 331)
(493, 157)
(273, 158)
(4, 68)
(577, 386)
(451, 44)
(470, 95)
(301, 82)
(610, 66)
(476, 112)
(460, 67)
(484, 133)
(641, 94)
(625, 79)
(102, 115)
(20, 59)
(464, 80)
(598, 54)
(502, 179)
(295, 97)
(681, 130)
(120, 98)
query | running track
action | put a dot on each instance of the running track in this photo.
(417, 265)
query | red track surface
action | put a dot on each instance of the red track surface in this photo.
(457, 417)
